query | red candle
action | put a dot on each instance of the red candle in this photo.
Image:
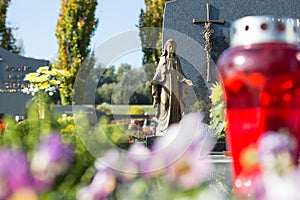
(261, 78)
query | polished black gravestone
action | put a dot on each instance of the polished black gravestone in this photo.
(199, 44)
(13, 69)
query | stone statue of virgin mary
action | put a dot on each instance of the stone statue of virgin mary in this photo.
(169, 89)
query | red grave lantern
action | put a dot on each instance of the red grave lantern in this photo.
(261, 79)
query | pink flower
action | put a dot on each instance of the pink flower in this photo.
(189, 171)
(52, 158)
(14, 172)
(279, 178)
(102, 185)
(181, 155)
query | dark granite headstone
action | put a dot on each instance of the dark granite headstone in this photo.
(178, 25)
(13, 69)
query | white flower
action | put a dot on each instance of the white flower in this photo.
(25, 90)
(51, 89)
(35, 90)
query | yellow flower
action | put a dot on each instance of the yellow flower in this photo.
(50, 72)
(44, 85)
(31, 76)
(42, 69)
(70, 119)
(54, 82)
(69, 129)
(63, 73)
(43, 78)
(216, 93)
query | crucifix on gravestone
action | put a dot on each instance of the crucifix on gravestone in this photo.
(207, 36)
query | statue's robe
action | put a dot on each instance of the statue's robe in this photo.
(169, 90)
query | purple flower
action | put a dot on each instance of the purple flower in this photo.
(277, 152)
(138, 155)
(14, 172)
(52, 158)
(189, 170)
(278, 178)
(180, 157)
(102, 185)
(125, 166)
(186, 144)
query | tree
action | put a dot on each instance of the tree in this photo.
(132, 89)
(141, 96)
(104, 93)
(151, 39)
(108, 75)
(122, 70)
(7, 40)
(122, 86)
(75, 27)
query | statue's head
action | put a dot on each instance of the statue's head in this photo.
(169, 47)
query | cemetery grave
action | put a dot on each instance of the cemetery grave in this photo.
(190, 163)
(13, 69)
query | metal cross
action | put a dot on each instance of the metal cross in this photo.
(207, 36)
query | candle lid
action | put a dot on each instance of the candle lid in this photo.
(262, 29)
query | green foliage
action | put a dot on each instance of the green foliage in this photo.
(152, 17)
(104, 93)
(122, 70)
(108, 76)
(26, 136)
(124, 86)
(217, 110)
(74, 29)
(106, 84)
(66, 123)
(114, 133)
(142, 95)
(132, 89)
(136, 110)
(7, 40)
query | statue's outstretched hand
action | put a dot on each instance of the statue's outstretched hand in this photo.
(189, 82)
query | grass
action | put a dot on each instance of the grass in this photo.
(124, 109)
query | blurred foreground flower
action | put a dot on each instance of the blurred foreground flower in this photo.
(102, 185)
(14, 173)
(51, 159)
(279, 177)
(20, 180)
(178, 160)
